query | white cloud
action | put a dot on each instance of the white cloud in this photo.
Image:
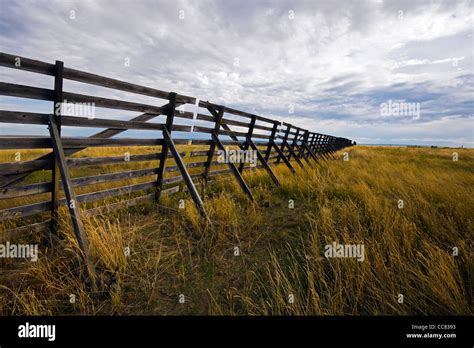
(335, 61)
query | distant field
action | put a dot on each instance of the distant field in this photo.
(269, 258)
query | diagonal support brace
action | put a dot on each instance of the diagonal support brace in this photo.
(184, 172)
(71, 198)
(233, 168)
(262, 160)
(282, 156)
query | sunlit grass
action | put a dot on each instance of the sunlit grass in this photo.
(408, 251)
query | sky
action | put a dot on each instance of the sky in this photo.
(336, 67)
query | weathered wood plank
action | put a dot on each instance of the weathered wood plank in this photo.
(184, 173)
(10, 168)
(35, 208)
(10, 61)
(72, 204)
(247, 138)
(217, 115)
(111, 103)
(282, 156)
(56, 173)
(164, 149)
(22, 63)
(38, 227)
(22, 91)
(45, 143)
(81, 76)
(207, 104)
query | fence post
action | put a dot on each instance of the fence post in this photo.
(212, 148)
(164, 148)
(284, 143)
(272, 137)
(246, 145)
(169, 144)
(308, 147)
(290, 148)
(311, 142)
(55, 172)
(300, 148)
(320, 145)
(315, 144)
(303, 143)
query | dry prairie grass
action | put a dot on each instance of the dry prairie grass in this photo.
(281, 250)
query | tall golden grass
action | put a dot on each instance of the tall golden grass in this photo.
(266, 258)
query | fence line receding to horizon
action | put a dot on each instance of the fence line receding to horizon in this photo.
(273, 142)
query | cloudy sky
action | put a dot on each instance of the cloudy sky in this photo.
(329, 66)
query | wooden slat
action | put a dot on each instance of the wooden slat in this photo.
(119, 191)
(43, 187)
(200, 142)
(235, 123)
(9, 60)
(23, 117)
(35, 208)
(25, 210)
(13, 168)
(185, 114)
(260, 136)
(207, 130)
(36, 66)
(88, 161)
(27, 142)
(206, 104)
(26, 190)
(200, 129)
(81, 76)
(120, 205)
(107, 133)
(220, 172)
(22, 91)
(44, 143)
(199, 153)
(203, 117)
(111, 103)
(27, 166)
(257, 126)
(75, 121)
(130, 202)
(14, 90)
(233, 133)
(38, 227)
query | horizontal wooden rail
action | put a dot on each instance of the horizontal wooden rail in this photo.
(22, 63)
